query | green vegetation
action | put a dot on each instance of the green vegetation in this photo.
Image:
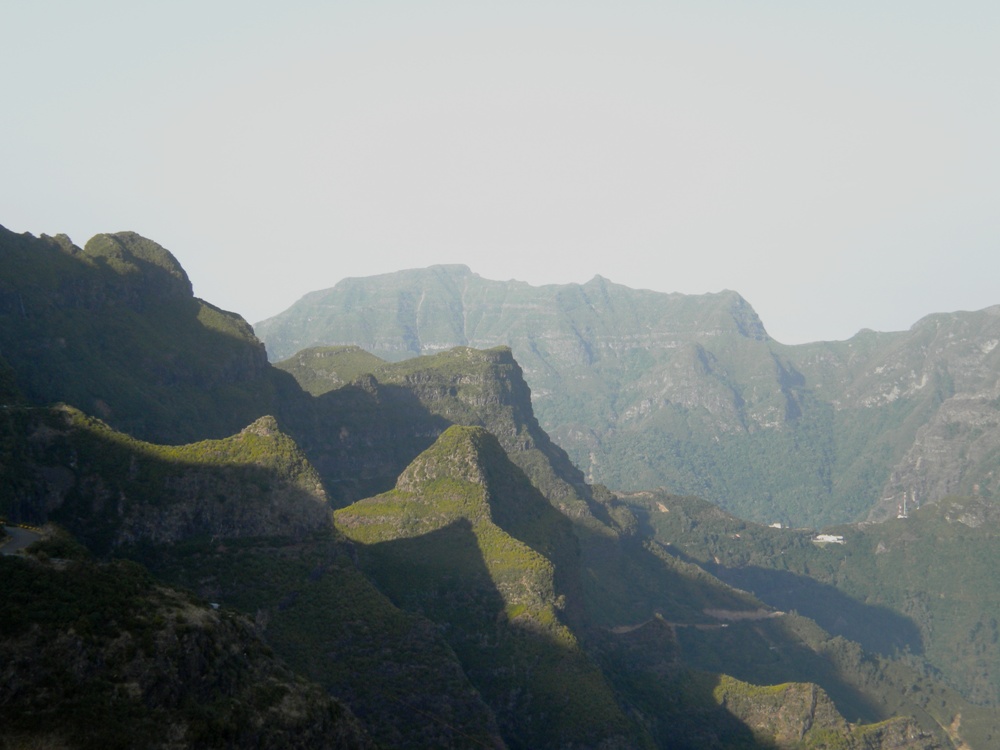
(415, 400)
(84, 649)
(86, 327)
(331, 624)
(802, 716)
(689, 393)
(324, 369)
(434, 545)
(475, 590)
(108, 488)
(917, 593)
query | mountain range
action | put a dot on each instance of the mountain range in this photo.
(356, 552)
(689, 393)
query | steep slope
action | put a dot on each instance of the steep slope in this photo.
(921, 589)
(245, 523)
(114, 330)
(803, 716)
(100, 656)
(425, 310)
(421, 396)
(533, 610)
(688, 392)
(394, 669)
(466, 540)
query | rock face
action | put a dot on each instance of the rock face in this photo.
(951, 362)
(645, 389)
(486, 597)
(363, 434)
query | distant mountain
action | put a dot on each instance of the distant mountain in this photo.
(686, 392)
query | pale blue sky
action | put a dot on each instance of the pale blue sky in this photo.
(836, 163)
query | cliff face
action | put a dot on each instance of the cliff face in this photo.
(362, 435)
(688, 392)
(956, 449)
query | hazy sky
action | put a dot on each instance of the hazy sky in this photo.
(837, 163)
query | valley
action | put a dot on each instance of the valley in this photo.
(349, 549)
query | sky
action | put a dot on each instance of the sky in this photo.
(836, 163)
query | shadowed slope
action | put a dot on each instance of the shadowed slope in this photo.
(114, 330)
(446, 543)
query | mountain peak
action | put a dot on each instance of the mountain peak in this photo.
(460, 452)
(266, 426)
(132, 255)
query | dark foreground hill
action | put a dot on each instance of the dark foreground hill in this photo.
(470, 590)
(686, 392)
(101, 656)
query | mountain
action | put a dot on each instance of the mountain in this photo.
(244, 522)
(113, 490)
(114, 330)
(688, 392)
(467, 540)
(89, 327)
(920, 588)
(420, 397)
(102, 656)
(469, 589)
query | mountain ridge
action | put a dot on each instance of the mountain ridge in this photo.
(446, 633)
(688, 392)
